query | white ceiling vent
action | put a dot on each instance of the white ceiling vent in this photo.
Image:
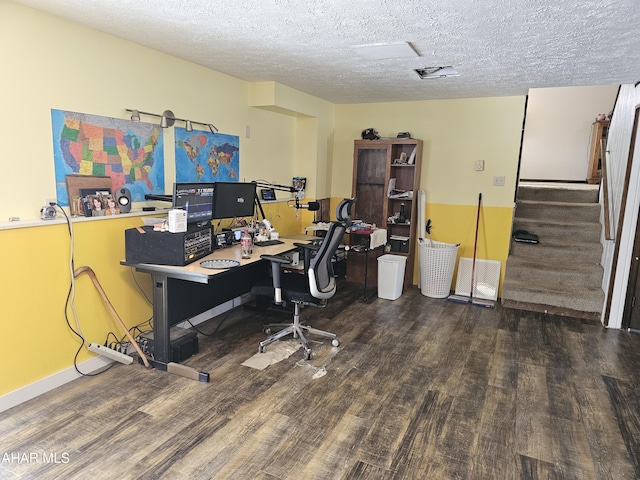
(437, 72)
(380, 51)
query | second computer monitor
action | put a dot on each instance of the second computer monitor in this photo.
(233, 199)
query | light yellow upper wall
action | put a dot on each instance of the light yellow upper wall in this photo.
(456, 133)
(50, 63)
(56, 64)
(314, 127)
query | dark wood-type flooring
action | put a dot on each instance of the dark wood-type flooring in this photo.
(420, 388)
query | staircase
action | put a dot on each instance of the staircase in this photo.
(562, 273)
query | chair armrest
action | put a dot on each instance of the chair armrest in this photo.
(307, 246)
(276, 262)
(307, 250)
(275, 259)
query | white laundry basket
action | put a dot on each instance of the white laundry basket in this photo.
(437, 264)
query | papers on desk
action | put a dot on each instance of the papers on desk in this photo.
(320, 226)
(378, 238)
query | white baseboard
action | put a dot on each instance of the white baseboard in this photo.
(58, 379)
(46, 384)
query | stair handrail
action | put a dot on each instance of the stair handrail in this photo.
(605, 192)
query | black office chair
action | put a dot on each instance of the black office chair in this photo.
(314, 288)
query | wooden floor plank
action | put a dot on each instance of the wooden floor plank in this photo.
(419, 388)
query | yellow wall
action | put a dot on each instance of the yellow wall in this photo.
(35, 282)
(458, 225)
(55, 64)
(455, 133)
(69, 67)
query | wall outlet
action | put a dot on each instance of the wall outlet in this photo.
(479, 165)
(49, 201)
(498, 181)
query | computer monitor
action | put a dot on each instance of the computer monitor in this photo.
(233, 199)
(196, 198)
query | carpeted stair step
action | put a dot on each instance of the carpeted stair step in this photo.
(561, 274)
(551, 194)
(579, 298)
(555, 251)
(559, 231)
(554, 274)
(558, 211)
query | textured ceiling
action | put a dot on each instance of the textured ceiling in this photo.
(499, 47)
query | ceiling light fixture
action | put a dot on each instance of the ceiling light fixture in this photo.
(168, 119)
(380, 51)
(437, 72)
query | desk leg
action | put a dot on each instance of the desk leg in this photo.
(161, 339)
(162, 336)
(366, 274)
(365, 297)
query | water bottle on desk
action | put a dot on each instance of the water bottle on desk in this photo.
(245, 242)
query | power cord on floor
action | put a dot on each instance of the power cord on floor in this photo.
(70, 303)
(222, 320)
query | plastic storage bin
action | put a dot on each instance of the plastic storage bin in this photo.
(437, 263)
(391, 276)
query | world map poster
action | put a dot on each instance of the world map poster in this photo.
(131, 153)
(206, 157)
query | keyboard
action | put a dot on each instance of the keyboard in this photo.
(268, 243)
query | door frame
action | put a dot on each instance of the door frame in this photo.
(634, 264)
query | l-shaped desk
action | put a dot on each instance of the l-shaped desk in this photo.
(180, 293)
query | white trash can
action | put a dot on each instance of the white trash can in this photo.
(391, 276)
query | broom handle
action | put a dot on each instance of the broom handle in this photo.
(475, 246)
(89, 271)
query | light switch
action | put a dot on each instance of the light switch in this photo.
(479, 165)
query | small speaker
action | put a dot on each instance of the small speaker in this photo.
(123, 196)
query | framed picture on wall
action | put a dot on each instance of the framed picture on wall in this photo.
(88, 182)
(299, 183)
(96, 203)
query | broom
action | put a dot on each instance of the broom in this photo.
(464, 298)
(478, 302)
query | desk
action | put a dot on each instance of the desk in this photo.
(180, 293)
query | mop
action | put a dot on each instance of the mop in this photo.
(470, 299)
